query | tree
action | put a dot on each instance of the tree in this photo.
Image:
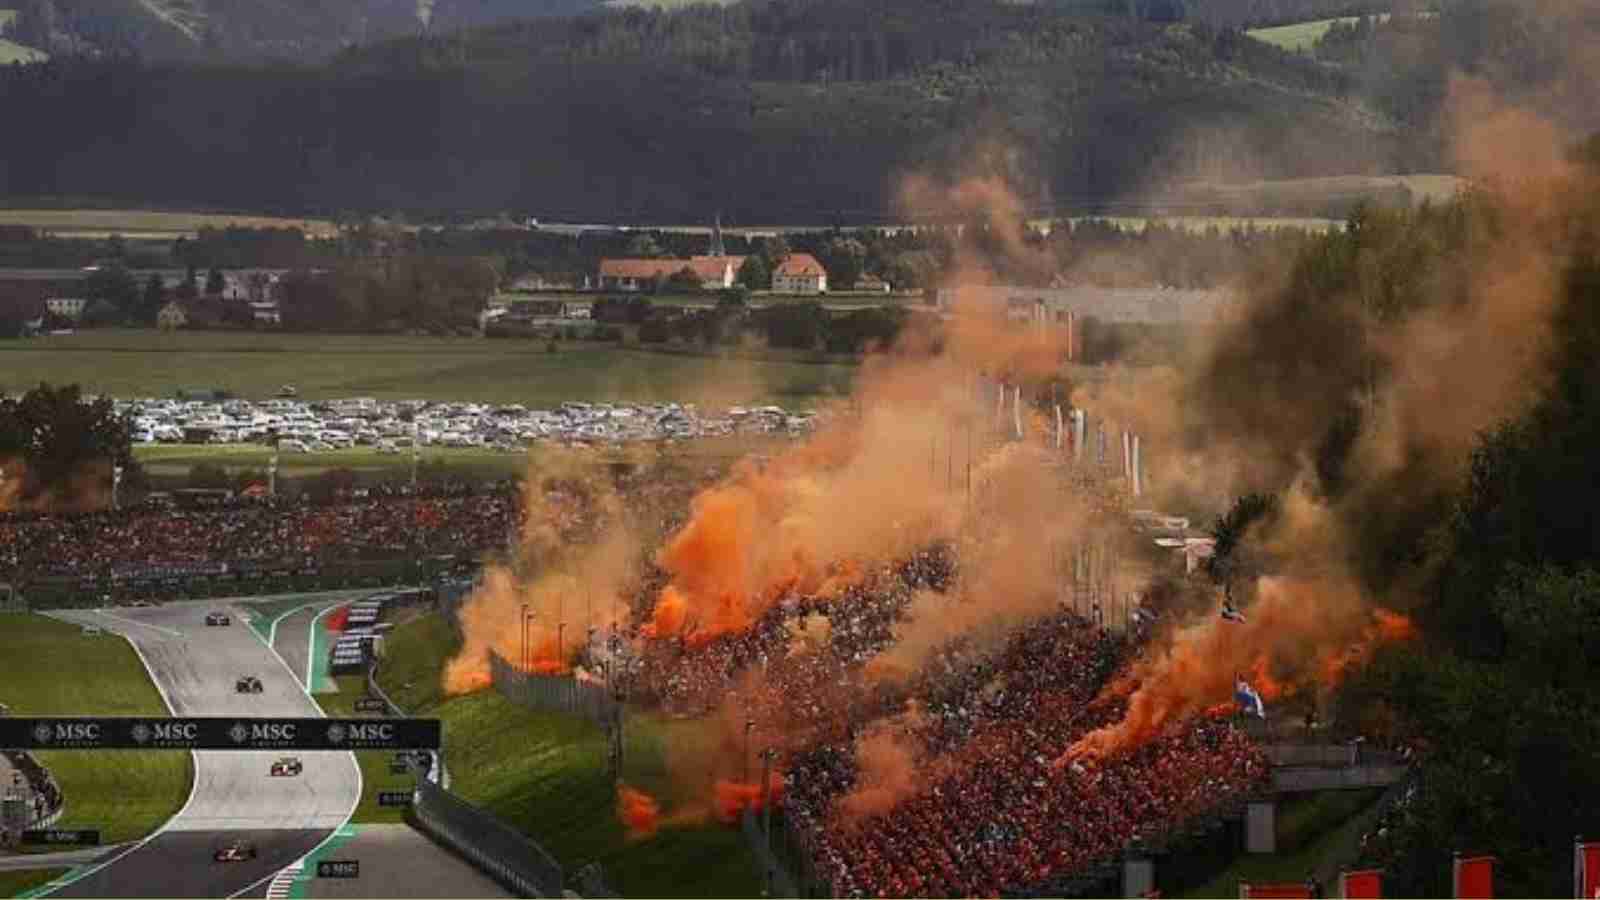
(1229, 560)
(114, 284)
(754, 273)
(644, 246)
(774, 250)
(845, 259)
(67, 446)
(215, 284)
(190, 288)
(685, 280)
(100, 313)
(150, 303)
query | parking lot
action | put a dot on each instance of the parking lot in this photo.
(394, 427)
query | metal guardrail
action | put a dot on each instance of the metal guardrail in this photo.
(1322, 778)
(501, 851)
(783, 884)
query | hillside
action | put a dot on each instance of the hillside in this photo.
(309, 30)
(799, 111)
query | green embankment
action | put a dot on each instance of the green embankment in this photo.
(1309, 827)
(49, 668)
(546, 774)
(136, 363)
(376, 776)
(13, 884)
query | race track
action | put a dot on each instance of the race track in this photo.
(195, 668)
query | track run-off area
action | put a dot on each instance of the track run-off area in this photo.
(289, 821)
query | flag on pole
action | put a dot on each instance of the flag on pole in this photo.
(1586, 870)
(1366, 884)
(1246, 697)
(1473, 878)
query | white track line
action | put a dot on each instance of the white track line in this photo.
(194, 777)
(361, 786)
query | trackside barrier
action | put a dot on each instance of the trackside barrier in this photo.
(783, 884)
(502, 852)
(46, 803)
(552, 693)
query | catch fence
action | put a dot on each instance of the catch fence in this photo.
(553, 693)
(35, 803)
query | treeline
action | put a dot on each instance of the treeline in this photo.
(1491, 544)
(644, 115)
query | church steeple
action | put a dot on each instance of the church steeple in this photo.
(716, 238)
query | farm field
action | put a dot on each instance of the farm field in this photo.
(50, 668)
(1301, 35)
(255, 365)
(545, 774)
(13, 52)
(132, 223)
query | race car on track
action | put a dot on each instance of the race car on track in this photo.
(287, 766)
(247, 684)
(218, 618)
(235, 851)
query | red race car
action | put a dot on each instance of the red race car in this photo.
(235, 851)
(287, 766)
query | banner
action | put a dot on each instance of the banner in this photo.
(216, 733)
(1586, 870)
(1474, 878)
(1366, 884)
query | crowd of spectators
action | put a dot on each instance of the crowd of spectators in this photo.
(373, 525)
(991, 814)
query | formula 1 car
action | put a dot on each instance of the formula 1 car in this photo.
(247, 684)
(218, 618)
(235, 851)
(287, 766)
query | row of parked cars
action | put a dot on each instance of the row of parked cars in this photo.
(394, 426)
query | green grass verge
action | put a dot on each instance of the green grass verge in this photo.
(1310, 827)
(140, 363)
(375, 774)
(1301, 35)
(48, 668)
(546, 775)
(15, 883)
(13, 52)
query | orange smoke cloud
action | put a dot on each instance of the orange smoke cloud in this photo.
(639, 812)
(733, 797)
(1195, 672)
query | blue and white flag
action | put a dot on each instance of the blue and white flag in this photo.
(1231, 614)
(1248, 699)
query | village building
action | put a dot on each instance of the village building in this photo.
(800, 274)
(172, 317)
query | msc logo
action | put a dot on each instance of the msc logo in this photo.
(358, 733)
(272, 731)
(67, 732)
(174, 731)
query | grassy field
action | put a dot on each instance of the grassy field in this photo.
(375, 774)
(1222, 223)
(546, 775)
(14, 883)
(133, 223)
(152, 364)
(49, 668)
(1301, 35)
(1310, 826)
(13, 52)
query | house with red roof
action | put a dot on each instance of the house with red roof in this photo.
(800, 274)
(714, 272)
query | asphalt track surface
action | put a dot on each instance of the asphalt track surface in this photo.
(396, 861)
(233, 796)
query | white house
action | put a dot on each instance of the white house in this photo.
(66, 307)
(800, 274)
